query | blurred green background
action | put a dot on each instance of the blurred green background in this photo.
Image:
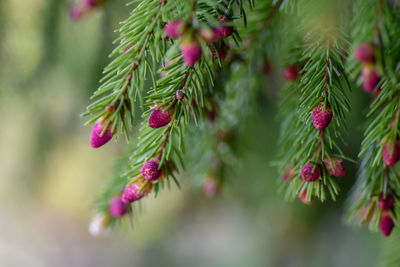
(49, 174)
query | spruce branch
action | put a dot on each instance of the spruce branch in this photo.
(213, 162)
(138, 52)
(234, 95)
(163, 144)
(176, 100)
(377, 179)
(311, 156)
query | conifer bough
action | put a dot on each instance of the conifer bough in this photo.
(188, 49)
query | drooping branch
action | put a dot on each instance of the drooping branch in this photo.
(377, 189)
(316, 104)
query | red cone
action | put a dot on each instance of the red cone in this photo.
(131, 192)
(370, 78)
(150, 171)
(225, 30)
(158, 118)
(321, 117)
(210, 35)
(117, 208)
(291, 73)
(364, 53)
(337, 169)
(386, 203)
(96, 138)
(308, 174)
(386, 224)
(174, 29)
(191, 51)
(391, 153)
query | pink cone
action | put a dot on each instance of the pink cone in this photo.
(75, 13)
(212, 186)
(364, 53)
(291, 73)
(96, 139)
(386, 224)
(289, 175)
(210, 35)
(191, 51)
(223, 51)
(307, 173)
(225, 30)
(174, 29)
(370, 78)
(150, 171)
(131, 192)
(337, 169)
(303, 197)
(117, 208)
(321, 117)
(386, 203)
(391, 153)
(90, 3)
(158, 118)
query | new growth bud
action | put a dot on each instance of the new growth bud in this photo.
(158, 118)
(224, 29)
(364, 53)
(75, 13)
(370, 78)
(175, 29)
(303, 197)
(212, 186)
(321, 117)
(150, 170)
(337, 169)
(131, 192)
(117, 208)
(222, 51)
(289, 174)
(191, 51)
(291, 73)
(310, 172)
(97, 139)
(83, 7)
(386, 203)
(391, 153)
(386, 224)
(210, 34)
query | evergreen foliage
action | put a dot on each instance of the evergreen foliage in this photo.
(202, 69)
(322, 80)
(375, 23)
